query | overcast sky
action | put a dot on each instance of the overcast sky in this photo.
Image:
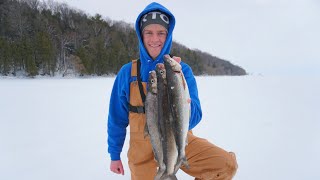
(268, 37)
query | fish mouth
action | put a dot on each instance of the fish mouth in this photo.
(160, 66)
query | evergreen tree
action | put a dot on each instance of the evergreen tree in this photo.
(27, 56)
(86, 60)
(44, 54)
(4, 57)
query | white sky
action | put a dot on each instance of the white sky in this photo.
(269, 37)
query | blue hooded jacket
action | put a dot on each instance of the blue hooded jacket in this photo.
(120, 96)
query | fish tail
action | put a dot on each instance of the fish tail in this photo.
(181, 161)
(185, 162)
(159, 174)
(169, 177)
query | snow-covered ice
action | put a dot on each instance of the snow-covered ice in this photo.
(56, 128)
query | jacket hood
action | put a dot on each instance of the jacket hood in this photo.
(147, 63)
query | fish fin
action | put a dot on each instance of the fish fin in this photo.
(190, 111)
(183, 81)
(177, 166)
(146, 131)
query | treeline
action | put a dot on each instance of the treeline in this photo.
(50, 38)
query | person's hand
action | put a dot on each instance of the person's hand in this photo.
(116, 167)
(178, 59)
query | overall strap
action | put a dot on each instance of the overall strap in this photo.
(135, 71)
(143, 96)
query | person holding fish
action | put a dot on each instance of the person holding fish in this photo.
(162, 116)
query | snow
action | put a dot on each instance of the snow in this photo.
(56, 128)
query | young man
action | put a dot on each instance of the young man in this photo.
(154, 28)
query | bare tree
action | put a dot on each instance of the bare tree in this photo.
(33, 4)
(97, 24)
(18, 21)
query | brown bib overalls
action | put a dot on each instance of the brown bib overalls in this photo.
(206, 160)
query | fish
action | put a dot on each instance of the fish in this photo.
(180, 107)
(152, 128)
(170, 152)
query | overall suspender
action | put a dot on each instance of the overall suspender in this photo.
(138, 109)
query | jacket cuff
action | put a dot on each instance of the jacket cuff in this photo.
(115, 156)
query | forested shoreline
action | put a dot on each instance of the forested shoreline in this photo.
(48, 38)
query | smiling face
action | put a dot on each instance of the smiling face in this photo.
(154, 36)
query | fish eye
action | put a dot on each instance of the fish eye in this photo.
(161, 71)
(152, 80)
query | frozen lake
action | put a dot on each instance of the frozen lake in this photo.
(56, 128)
